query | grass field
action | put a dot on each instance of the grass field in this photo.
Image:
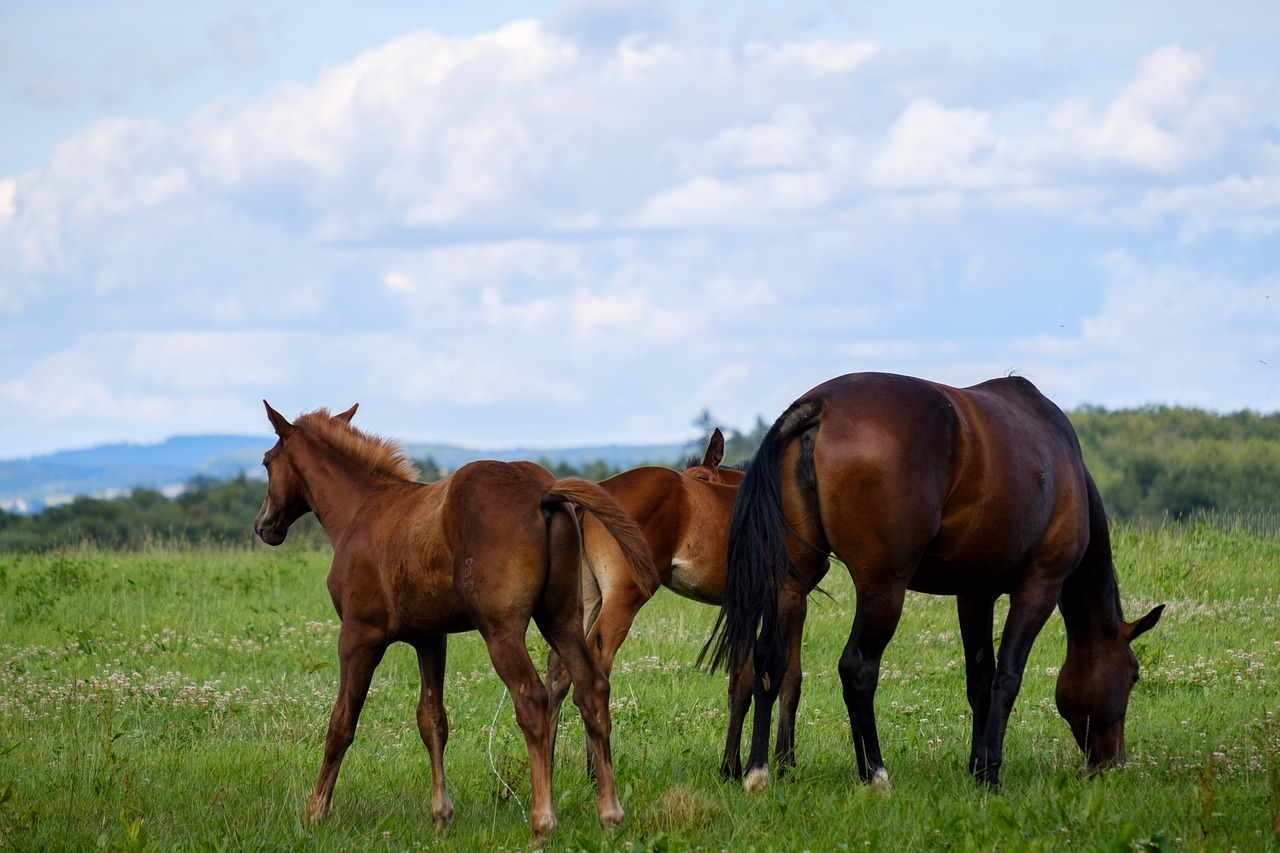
(177, 699)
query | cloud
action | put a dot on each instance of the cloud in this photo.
(609, 225)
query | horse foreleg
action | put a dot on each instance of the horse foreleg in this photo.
(875, 619)
(433, 723)
(359, 653)
(1029, 608)
(514, 666)
(979, 665)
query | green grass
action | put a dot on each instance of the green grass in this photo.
(178, 698)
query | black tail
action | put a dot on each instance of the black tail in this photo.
(758, 559)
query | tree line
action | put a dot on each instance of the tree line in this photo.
(1152, 464)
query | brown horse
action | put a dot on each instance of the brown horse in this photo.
(488, 548)
(977, 493)
(685, 521)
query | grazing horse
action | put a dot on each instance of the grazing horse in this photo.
(977, 493)
(488, 548)
(684, 518)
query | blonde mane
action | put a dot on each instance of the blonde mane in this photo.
(382, 457)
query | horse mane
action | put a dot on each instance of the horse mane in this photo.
(380, 457)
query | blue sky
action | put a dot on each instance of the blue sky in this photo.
(555, 224)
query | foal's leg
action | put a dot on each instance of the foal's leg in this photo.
(514, 666)
(360, 650)
(875, 619)
(1029, 608)
(557, 676)
(433, 724)
(591, 695)
(979, 663)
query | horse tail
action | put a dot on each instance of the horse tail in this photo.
(758, 561)
(621, 526)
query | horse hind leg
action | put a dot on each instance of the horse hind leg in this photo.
(359, 653)
(529, 697)
(741, 676)
(433, 724)
(559, 618)
(772, 665)
(784, 751)
(873, 627)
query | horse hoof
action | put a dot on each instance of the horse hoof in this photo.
(756, 780)
(317, 809)
(542, 834)
(611, 818)
(879, 783)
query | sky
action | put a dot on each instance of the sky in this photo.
(556, 224)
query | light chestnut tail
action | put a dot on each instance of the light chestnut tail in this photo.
(630, 538)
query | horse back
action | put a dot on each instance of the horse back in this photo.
(953, 485)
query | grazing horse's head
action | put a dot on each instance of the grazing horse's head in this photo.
(286, 501)
(1094, 687)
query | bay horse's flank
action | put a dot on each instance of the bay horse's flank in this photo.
(488, 548)
(977, 493)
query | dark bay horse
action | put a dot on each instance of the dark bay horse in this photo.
(488, 548)
(977, 493)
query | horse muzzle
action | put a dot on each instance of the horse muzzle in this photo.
(269, 534)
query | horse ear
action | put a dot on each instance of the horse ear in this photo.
(1145, 624)
(278, 421)
(348, 414)
(715, 450)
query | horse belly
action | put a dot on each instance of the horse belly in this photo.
(688, 580)
(941, 577)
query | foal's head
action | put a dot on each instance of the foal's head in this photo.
(708, 468)
(1093, 691)
(286, 501)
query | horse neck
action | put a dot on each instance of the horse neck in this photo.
(333, 484)
(1090, 600)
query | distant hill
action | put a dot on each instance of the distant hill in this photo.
(30, 485)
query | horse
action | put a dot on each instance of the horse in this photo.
(975, 493)
(684, 518)
(488, 548)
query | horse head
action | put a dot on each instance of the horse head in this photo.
(1093, 691)
(286, 499)
(708, 470)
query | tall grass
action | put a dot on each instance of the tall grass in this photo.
(177, 699)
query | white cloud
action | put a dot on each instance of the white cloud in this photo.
(1160, 122)
(600, 233)
(931, 146)
(818, 57)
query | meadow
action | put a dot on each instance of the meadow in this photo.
(176, 698)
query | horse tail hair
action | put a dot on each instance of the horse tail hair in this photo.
(758, 561)
(621, 526)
